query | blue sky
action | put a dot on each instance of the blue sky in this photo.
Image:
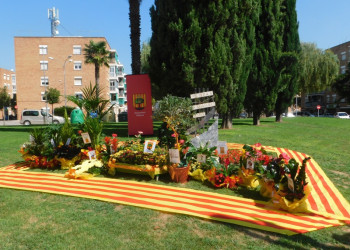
(324, 22)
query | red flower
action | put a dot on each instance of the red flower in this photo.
(107, 140)
(114, 135)
(79, 132)
(257, 145)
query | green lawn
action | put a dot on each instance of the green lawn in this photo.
(31, 220)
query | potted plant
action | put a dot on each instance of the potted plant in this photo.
(176, 113)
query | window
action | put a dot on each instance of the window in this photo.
(44, 81)
(334, 97)
(13, 77)
(328, 98)
(78, 80)
(13, 88)
(342, 70)
(76, 49)
(44, 65)
(4, 76)
(43, 49)
(113, 97)
(112, 86)
(79, 95)
(43, 97)
(77, 65)
(343, 56)
(31, 113)
(8, 77)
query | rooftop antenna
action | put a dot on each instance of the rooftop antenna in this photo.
(53, 16)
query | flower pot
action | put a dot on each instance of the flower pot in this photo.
(248, 180)
(178, 175)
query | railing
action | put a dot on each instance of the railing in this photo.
(112, 88)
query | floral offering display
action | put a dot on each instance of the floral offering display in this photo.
(87, 169)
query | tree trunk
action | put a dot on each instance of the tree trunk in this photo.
(135, 32)
(97, 78)
(256, 119)
(278, 116)
(226, 122)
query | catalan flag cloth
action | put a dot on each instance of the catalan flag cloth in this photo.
(326, 206)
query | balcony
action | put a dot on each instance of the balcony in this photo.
(112, 88)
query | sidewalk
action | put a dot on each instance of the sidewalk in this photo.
(10, 123)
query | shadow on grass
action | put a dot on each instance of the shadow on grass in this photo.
(285, 241)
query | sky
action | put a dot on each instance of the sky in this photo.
(324, 22)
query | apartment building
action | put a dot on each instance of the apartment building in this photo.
(327, 99)
(8, 80)
(56, 62)
(117, 83)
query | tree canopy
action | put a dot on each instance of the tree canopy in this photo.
(318, 68)
(97, 54)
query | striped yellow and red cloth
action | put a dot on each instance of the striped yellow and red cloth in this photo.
(326, 206)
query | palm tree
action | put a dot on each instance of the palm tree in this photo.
(135, 32)
(97, 54)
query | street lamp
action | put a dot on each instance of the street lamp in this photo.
(44, 69)
(64, 79)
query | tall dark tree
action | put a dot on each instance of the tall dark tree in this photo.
(98, 55)
(342, 85)
(4, 100)
(291, 49)
(225, 53)
(135, 33)
(176, 35)
(264, 79)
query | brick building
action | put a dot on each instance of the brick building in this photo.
(8, 80)
(327, 99)
(55, 62)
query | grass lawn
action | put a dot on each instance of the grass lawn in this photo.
(32, 220)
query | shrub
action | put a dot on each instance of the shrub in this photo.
(60, 110)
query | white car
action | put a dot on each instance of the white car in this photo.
(34, 116)
(342, 115)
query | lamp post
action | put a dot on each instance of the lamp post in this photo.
(64, 79)
(44, 69)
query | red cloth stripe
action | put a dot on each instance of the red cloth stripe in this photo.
(178, 195)
(135, 201)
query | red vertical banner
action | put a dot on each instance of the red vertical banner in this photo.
(139, 104)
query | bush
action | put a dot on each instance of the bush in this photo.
(60, 111)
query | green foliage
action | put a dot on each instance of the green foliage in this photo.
(291, 50)
(4, 98)
(60, 110)
(67, 130)
(52, 95)
(145, 53)
(264, 79)
(211, 159)
(318, 69)
(94, 127)
(176, 112)
(342, 85)
(92, 101)
(98, 55)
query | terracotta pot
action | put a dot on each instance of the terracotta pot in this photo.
(178, 175)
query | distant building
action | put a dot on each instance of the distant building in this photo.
(8, 80)
(58, 62)
(327, 99)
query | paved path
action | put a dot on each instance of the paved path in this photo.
(10, 123)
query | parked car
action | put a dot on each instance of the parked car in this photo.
(342, 115)
(35, 116)
(123, 117)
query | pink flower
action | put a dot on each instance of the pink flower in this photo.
(181, 141)
(140, 132)
(257, 145)
(114, 135)
(284, 156)
(173, 135)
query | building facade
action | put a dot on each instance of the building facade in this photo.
(55, 62)
(327, 99)
(8, 80)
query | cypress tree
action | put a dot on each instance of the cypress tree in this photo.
(291, 49)
(264, 79)
(176, 34)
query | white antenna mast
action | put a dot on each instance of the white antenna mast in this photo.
(53, 16)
